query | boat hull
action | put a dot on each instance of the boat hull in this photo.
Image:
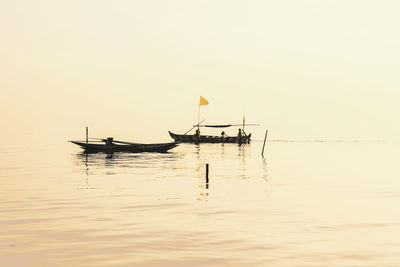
(210, 139)
(134, 148)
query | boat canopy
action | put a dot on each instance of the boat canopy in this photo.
(218, 126)
(224, 125)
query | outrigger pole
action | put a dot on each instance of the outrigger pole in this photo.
(197, 125)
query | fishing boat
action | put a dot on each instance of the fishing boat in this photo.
(197, 138)
(110, 145)
(240, 138)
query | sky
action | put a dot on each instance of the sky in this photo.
(304, 69)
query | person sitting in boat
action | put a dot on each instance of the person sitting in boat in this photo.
(223, 134)
(198, 133)
(240, 133)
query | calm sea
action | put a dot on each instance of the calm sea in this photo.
(306, 203)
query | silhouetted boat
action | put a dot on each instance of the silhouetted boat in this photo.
(111, 145)
(196, 138)
(241, 138)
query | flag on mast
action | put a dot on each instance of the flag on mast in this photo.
(203, 101)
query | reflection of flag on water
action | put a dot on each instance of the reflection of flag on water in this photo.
(203, 101)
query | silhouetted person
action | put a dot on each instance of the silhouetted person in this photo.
(240, 133)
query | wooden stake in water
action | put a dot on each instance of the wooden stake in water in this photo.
(265, 138)
(87, 135)
(207, 173)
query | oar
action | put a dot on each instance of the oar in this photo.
(194, 127)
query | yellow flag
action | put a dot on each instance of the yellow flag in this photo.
(203, 101)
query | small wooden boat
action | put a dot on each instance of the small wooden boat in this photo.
(240, 138)
(111, 146)
(196, 138)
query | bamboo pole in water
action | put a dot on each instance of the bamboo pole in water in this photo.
(207, 173)
(265, 138)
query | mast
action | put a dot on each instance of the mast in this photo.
(198, 119)
(243, 123)
(202, 102)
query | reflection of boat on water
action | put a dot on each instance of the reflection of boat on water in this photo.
(109, 145)
(108, 163)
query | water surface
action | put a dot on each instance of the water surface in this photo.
(303, 204)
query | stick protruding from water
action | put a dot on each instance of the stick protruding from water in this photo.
(265, 139)
(207, 173)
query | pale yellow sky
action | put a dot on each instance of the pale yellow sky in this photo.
(135, 69)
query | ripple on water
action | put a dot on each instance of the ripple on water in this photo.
(304, 204)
